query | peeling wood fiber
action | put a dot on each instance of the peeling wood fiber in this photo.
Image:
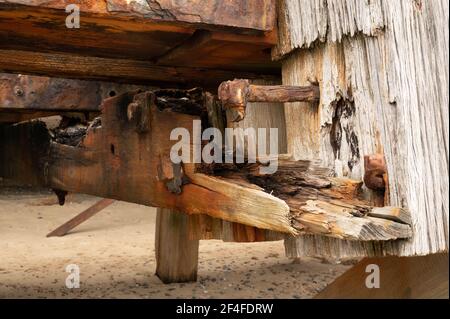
(382, 67)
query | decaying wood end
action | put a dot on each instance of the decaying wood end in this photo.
(125, 155)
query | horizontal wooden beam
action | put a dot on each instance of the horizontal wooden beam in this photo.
(129, 147)
(242, 34)
(27, 92)
(115, 70)
(258, 15)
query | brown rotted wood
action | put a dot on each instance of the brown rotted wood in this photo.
(320, 204)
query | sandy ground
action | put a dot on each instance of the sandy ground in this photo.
(115, 253)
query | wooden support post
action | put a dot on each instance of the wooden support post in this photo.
(81, 218)
(364, 111)
(400, 277)
(176, 254)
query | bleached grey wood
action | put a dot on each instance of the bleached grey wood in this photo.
(304, 22)
(388, 61)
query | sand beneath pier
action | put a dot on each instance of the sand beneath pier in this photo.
(115, 253)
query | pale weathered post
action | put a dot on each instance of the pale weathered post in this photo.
(382, 68)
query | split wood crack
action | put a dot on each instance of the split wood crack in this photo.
(126, 156)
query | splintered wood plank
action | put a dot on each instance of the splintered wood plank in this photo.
(253, 207)
(419, 277)
(81, 218)
(320, 204)
(176, 253)
(337, 220)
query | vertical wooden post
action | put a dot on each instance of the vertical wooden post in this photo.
(364, 111)
(176, 254)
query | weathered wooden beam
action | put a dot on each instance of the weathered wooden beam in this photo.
(116, 70)
(39, 93)
(242, 33)
(115, 156)
(190, 46)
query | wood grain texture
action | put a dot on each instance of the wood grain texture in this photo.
(115, 70)
(304, 23)
(321, 204)
(176, 254)
(28, 92)
(242, 32)
(383, 90)
(420, 277)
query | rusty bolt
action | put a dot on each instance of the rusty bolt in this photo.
(375, 169)
(18, 91)
(235, 95)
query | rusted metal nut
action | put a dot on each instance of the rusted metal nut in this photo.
(375, 169)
